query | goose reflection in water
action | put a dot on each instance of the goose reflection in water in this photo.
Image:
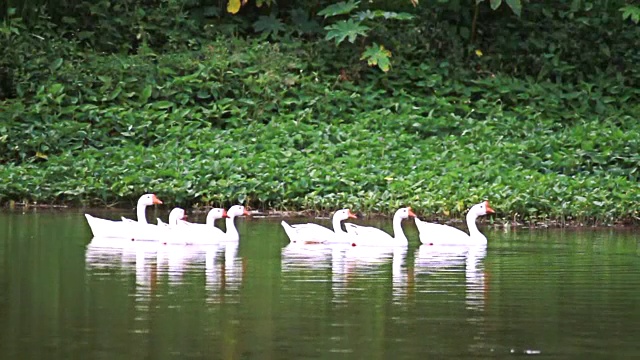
(441, 263)
(224, 273)
(447, 259)
(306, 262)
(154, 262)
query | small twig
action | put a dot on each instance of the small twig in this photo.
(474, 23)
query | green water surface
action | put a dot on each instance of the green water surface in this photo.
(565, 294)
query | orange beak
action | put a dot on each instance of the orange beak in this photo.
(352, 215)
(224, 214)
(411, 213)
(245, 212)
(155, 200)
(488, 208)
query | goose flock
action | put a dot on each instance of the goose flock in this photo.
(180, 231)
(176, 231)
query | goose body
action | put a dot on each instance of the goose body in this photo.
(183, 232)
(197, 234)
(232, 233)
(310, 233)
(439, 234)
(371, 236)
(129, 229)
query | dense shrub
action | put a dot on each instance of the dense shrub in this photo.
(543, 124)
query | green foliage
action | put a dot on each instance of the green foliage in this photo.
(377, 55)
(631, 12)
(346, 29)
(356, 26)
(543, 123)
(515, 5)
(370, 15)
(341, 8)
(303, 24)
(268, 25)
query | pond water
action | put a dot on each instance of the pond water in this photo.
(540, 293)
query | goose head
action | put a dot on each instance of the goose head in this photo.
(175, 215)
(237, 210)
(215, 214)
(344, 214)
(404, 213)
(219, 213)
(481, 209)
(149, 199)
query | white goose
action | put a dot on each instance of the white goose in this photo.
(122, 229)
(182, 232)
(213, 215)
(176, 215)
(207, 233)
(371, 236)
(314, 233)
(438, 234)
(233, 212)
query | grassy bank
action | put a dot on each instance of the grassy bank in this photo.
(277, 125)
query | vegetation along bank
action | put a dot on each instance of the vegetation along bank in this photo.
(323, 105)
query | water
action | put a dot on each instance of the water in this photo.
(553, 294)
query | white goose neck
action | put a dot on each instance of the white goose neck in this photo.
(474, 233)
(141, 213)
(337, 226)
(210, 219)
(398, 233)
(232, 232)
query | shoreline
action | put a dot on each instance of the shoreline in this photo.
(490, 222)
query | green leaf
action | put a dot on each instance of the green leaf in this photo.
(56, 64)
(161, 105)
(631, 12)
(146, 94)
(345, 28)
(377, 55)
(183, 113)
(495, 4)
(83, 35)
(304, 25)
(465, 33)
(370, 15)
(575, 5)
(203, 94)
(211, 11)
(268, 25)
(340, 8)
(114, 94)
(56, 88)
(516, 6)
